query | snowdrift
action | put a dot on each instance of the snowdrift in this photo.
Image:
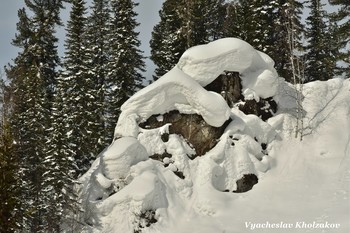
(299, 182)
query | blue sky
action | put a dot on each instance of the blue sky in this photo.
(148, 17)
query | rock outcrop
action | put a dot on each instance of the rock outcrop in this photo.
(201, 136)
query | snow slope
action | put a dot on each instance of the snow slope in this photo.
(302, 185)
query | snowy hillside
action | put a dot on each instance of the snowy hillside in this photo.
(254, 176)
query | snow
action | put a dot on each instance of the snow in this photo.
(303, 185)
(206, 62)
(174, 91)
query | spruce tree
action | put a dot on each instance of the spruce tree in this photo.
(341, 25)
(245, 20)
(202, 21)
(33, 79)
(97, 52)
(10, 183)
(232, 27)
(167, 43)
(287, 30)
(184, 24)
(126, 63)
(76, 86)
(320, 62)
(265, 25)
(59, 180)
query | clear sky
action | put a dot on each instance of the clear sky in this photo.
(148, 17)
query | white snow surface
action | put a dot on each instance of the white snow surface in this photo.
(206, 62)
(174, 91)
(301, 183)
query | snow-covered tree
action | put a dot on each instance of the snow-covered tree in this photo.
(182, 25)
(33, 78)
(264, 24)
(97, 52)
(320, 59)
(341, 19)
(125, 65)
(75, 89)
(167, 43)
(202, 21)
(10, 183)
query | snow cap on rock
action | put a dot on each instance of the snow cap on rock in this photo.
(204, 63)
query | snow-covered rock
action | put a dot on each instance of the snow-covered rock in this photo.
(206, 62)
(149, 181)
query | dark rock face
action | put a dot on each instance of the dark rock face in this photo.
(246, 183)
(201, 136)
(161, 157)
(264, 109)
(229, 86)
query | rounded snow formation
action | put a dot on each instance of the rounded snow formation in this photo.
(182, 87)
(120, 156)
(174, 91)
(204, 63)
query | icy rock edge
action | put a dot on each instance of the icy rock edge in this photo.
(141, 193)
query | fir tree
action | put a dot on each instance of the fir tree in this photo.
(10, 183)
(97, 52)
(341, 25)
(231, 27)
(202, 21)
(184, 24)
(287, 29)
(167, 43)
(126, 61)
(320, 62)
(33, 79)
(265, 24)
(59, 180)
(75, 86)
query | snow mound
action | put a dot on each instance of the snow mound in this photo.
(127, 190)
(174, 91)
(121, 155)
(204, 63)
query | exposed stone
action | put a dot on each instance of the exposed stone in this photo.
(246, 183)
(264, 109)
(179, 174)
(160, 157)
(229, 86)
(203, 137)
(192, 127)
(145, 219)
(165, 137)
